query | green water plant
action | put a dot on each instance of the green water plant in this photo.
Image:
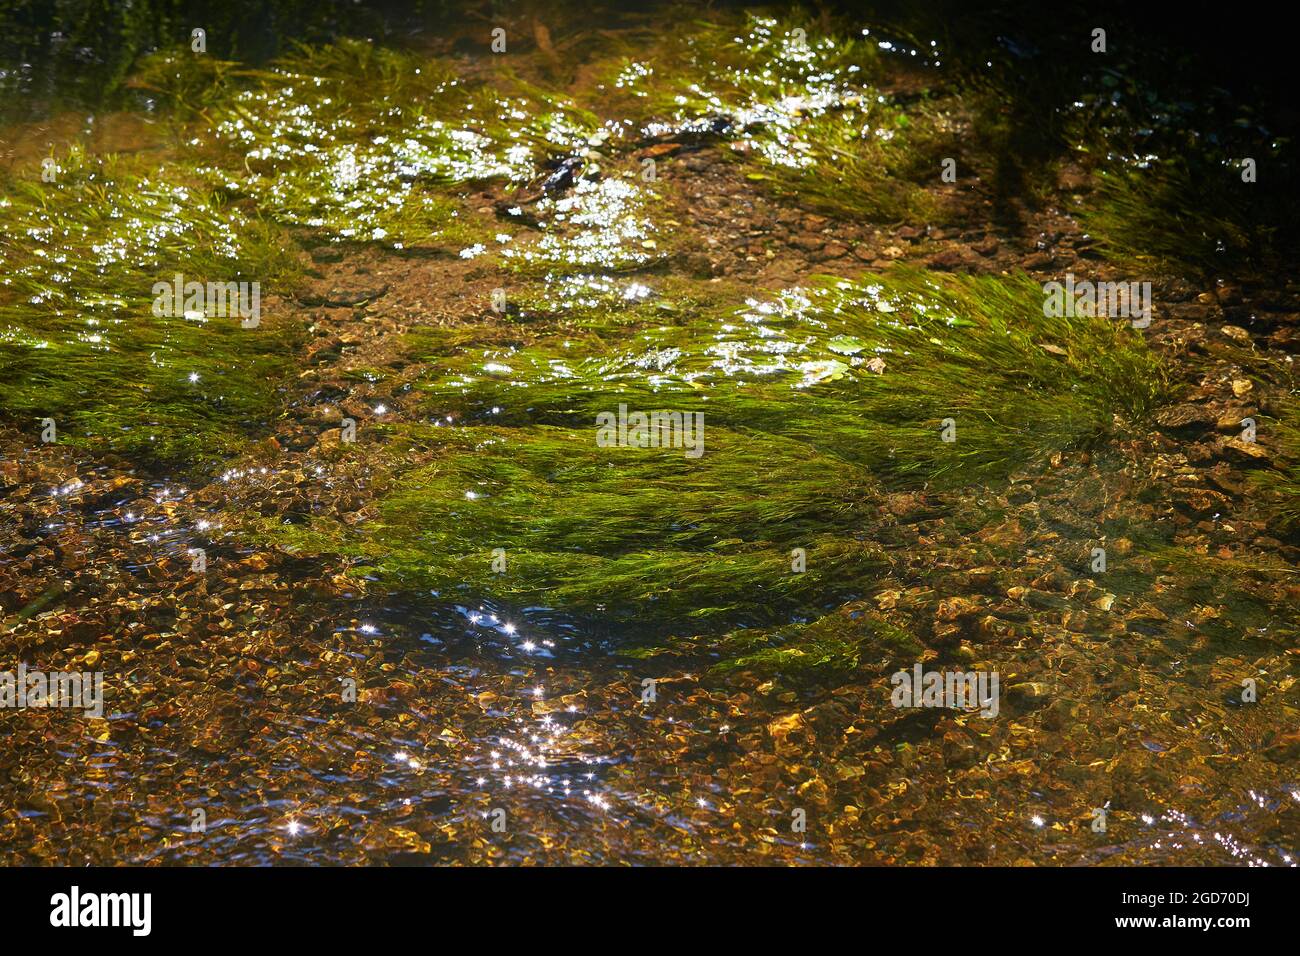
(794, 101)
(832, 645)
(1282, 483)
(813, 403)
(80, 340)
(875, 372)
(364, 143)
(632, 534)
(1161, 216)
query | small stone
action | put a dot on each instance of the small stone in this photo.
(956, 608)
(1105, 602)
(814, 789)
(1230, 421)
(783, 728)
(1184, 416)
(1247, 450)
(947, 261)
(1035, 691)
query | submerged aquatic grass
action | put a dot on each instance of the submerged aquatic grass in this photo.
(832, 645)
(868, 371)
(363, 143)
(796, 105)
(631, 534)
(353, 141)
(813, 404)
(600, 226)
(1283, 483)
(1161, 216)
(348, 141)
(890, 473)
(1196, 189)
(79, 342)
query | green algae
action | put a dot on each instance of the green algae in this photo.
(1197, 189)
(795, 105)
(350, 140)
(832, 646)
(634, 534)
(1282, 484)
(1163, 217)
(873, 372)
(79, 342)
(775, 525)
(365, 144)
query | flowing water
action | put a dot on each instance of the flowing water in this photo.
(381, 572)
